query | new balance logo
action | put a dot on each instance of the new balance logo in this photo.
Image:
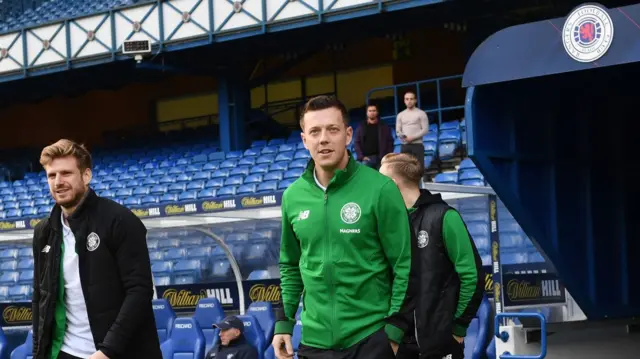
(46, 249)
(449, 356)
(303, 215)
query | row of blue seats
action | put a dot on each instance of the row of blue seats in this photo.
(16, 291)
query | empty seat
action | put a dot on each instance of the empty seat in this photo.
(247, 189)
(263, 311)
(164, 316)
(446, 177)
(186, 340)
(268, 186)
(24, 350)
(475, 342)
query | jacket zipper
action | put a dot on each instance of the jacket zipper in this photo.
(415, 328)
(329, 264)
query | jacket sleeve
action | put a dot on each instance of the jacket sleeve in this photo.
(129, 244)
(35, 297)
(464, 255)
(290, 278)
(396, 236)
(248, 352)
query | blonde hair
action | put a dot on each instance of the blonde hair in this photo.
(65, 148)
(404, 165)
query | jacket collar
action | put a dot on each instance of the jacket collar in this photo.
(87, 202)
(339, 178)
(427, 198)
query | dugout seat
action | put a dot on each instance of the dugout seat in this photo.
(254, 334)
(208, 312)
(263, 311)
(475, 343)
(185, 342)
(22, 351)
(165, 316)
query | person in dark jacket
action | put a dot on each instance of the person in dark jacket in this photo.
(450, 270)
(92, 284)
(232, 342)
(373, 139)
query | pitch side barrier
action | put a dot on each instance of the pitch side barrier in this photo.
(234, 225)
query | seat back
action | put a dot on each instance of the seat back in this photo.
(478, 331)
(185, 342)
(24, 350)
(263, 311)
(208, 312)
(164, 316)
(254, 334)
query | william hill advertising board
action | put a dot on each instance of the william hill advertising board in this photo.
(520, 289)
(177, 209)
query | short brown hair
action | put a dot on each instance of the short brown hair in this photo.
(324, 102)
(65, 148)
(404, 165)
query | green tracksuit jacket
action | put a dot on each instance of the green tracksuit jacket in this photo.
(348, 251)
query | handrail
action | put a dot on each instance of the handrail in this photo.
(417, 84)
(504, 336)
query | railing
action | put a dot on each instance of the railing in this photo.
(439, 109)
(182, 124)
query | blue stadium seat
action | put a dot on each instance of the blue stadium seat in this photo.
(186, 341)
(133, 184)
(234, 181)
(247, 189)
(448, 142)
(259, 143)
(207, 193)
(259, 274)
(302, 154)
(183, 178)
(221, 270)
(24, 350)
(471, 177)
(30, 212)
(221, 173)
(274, 176)
(228, 164)
(217, 156)
(188, 196)
(208, 312)
(287, 147)
(253, 151)
(169, 198)
(196, 185)
(26, 277)
(227, 191)
(446, 177)
(164, 268)
(187, 271)
(282, 185)
(263, 311)
(293, 173)
(240, 171)
(265, 159)
(159, 189)
(19, 293)
(253, 178)
(261, 168)
(211, 166)
(254, 334)
(215, 182)
(299, 163)
(267, 150)
(247, 161)
(167, 164)
(141, 191)
(124, 192)
(267, 186)
(234, 154)
(475, 342)
(279, 166)
(174, 171)
(164, 316)
(151, 181)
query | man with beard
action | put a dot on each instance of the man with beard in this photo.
(92, 284)
(345, 247)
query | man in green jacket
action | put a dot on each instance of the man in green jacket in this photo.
(449, 266)
(346, 248)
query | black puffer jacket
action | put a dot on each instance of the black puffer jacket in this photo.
(115, 272)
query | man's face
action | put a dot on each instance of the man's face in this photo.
(326, 137)
(410, 100)
(372, 114)
(67, 183)
(227, 335)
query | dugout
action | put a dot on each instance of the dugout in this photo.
(555, 138)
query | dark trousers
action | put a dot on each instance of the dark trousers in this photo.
(373, 162)
(415, 149)
(376, 346)
(453, 350)
(64, 355)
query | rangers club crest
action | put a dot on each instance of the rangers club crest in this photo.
(93, 242)
(587, 33)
